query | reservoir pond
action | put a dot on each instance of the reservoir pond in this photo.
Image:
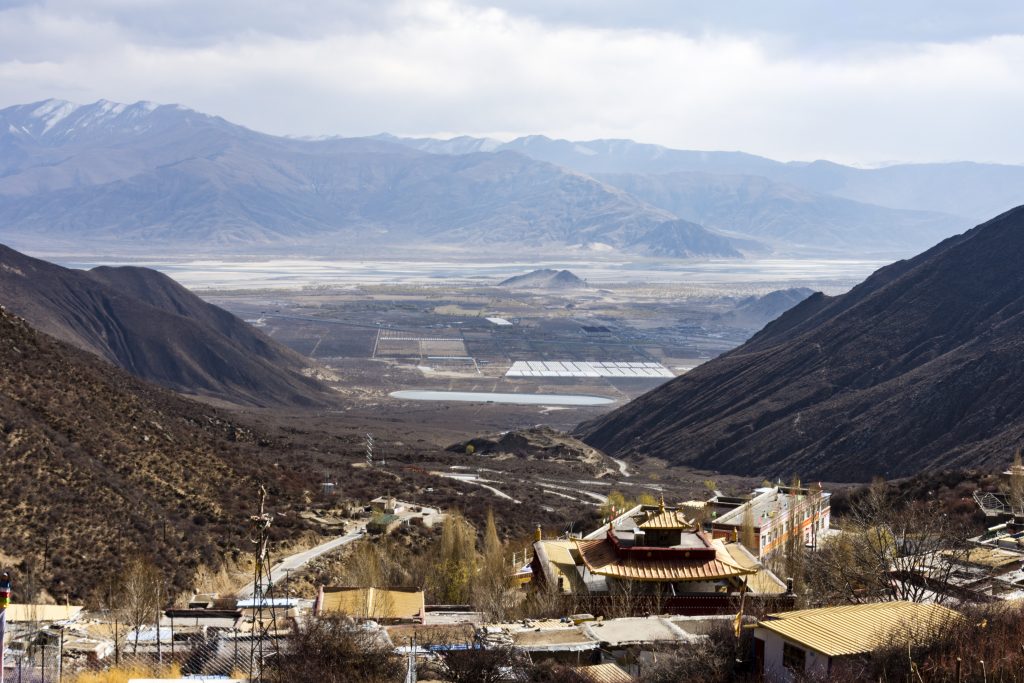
(488, 397)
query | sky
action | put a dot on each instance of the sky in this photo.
(864, 83)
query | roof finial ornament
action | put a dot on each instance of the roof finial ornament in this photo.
(662, 502)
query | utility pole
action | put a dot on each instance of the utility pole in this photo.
(369, 450)
(60, 657)
(5, 599)
(263, 629)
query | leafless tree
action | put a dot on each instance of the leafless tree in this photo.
(1017, 484)
(476, 663)
(706, 661)
(333, 649)
(889, 549)
(141, 595)
(748, 537)
(794, 548)
(493, 592)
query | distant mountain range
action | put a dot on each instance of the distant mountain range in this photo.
(149, 325)
(971, 190)
(921, 366)
(790, 218)
(118, 178)
(795, 206)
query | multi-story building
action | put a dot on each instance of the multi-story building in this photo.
(775, 515)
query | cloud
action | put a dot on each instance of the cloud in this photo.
(439, 67)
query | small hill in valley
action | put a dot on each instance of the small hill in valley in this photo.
(756, 311)
(148, 324)
(919, 367)
(538, 443)
(544, 278)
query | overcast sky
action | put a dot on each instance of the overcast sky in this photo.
(912, 80)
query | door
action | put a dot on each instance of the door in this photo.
(759, 658)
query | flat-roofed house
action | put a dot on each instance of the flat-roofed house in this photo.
(386, 605)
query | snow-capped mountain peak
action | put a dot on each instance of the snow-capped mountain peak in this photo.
(59, 120)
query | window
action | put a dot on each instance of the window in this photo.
(794, 658)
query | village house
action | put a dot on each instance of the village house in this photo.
(812, 642)
(385, 605)
(387, 505)
(627, 642)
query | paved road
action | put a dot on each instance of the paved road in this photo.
(293, 562)
(279, 571)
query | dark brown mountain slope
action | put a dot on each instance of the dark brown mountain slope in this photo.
(146, 323)
(920, 366)
(98, 467)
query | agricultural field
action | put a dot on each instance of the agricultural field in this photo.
(614, 341)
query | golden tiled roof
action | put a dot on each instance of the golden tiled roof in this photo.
(762, 581)
(560, 563)
(857, 629)
(374, 603)
(992, 558)
(667, 519)
(601, 558)
(28, 613)
(603, 673)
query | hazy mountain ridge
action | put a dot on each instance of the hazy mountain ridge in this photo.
(120, 175)
(975, 191)
(918, 367)
(786, 216)
(680, 238)
(114, 177)
(146, 323)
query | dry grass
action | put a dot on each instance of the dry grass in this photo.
(125, 674)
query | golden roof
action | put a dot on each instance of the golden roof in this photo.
(601, 558)
(667, 519)
(992, 558)
(374, 603)
(29, 613)
(558, 556)
(762, 581)
(857, 629)
(603, 673)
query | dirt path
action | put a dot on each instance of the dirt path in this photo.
(622, 466)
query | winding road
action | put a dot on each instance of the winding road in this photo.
(299, 560)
